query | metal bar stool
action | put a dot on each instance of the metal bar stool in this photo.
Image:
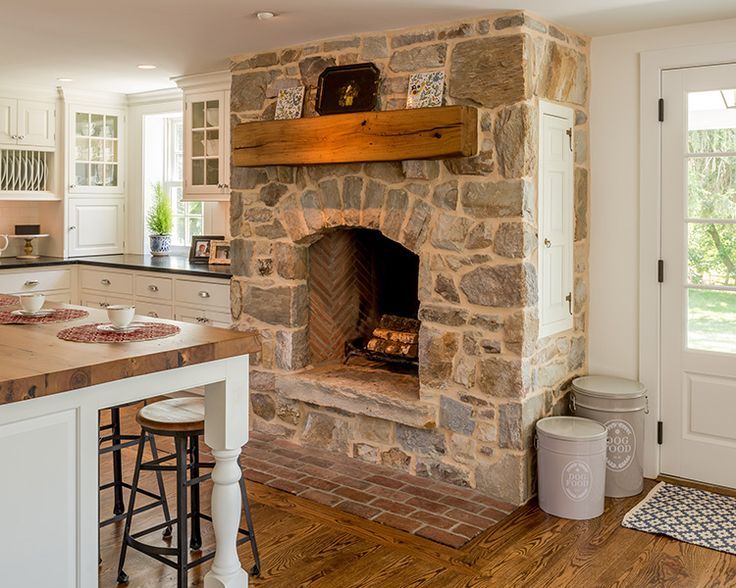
(182, 419)
(117, 442)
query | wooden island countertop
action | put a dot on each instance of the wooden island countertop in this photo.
(34, 362)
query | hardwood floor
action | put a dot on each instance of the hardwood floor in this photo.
(303, 543)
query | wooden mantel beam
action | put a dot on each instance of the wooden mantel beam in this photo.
(391, 135)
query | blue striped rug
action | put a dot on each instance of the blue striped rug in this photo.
(688, 514)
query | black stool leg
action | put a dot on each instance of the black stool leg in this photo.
(195, 542)
(160, 481)
(181, 511)
(256, 569)
(122, 576)
(117, 464)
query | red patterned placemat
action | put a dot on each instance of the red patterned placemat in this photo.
(59, 315)
(91, 334)
(6, 300)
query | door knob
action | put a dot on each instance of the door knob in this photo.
(547, 243)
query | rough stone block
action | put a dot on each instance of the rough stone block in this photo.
(509, 426)
(341, 44)
(450, 232)
(325, 432)
(289, 412)
(475, 165)
(241, 256)
(263, 405)
(445, 195)
(291, 261)
(374, 48)
(393, 215)
(412, 38)
(514, 240)
(365, 452)
(444, 472)
(496, 199)
(375, 195)
(422, 441)
(581, 203)
(292, 349)
(500, 285)
(490, 71)
(445, 287)
(436, 355)
(444, 315)
(417, 227)
(311, 67)
(395, 458)
(281, 305)
(420, 169)
(480, 236)
(418, 58)
(563, 74)
(249, 91)
(513, 135)
(456, 416)
(501, 376)
(507, 478)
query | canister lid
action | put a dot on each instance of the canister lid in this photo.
(609, 387)
(571, 428)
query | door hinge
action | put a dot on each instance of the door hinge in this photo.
(659, 432)
(568, 132)
(660, 110)
(569, 302)
(660, 270)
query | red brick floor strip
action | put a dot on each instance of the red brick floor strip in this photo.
(441, 512)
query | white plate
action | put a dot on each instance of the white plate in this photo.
(108, 328)
(21, 312)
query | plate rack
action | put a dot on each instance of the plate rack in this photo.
(24, 171)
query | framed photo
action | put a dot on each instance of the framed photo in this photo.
(219, 252)
(289, 103)
(347, 88)
(199, 251)
(425, 89)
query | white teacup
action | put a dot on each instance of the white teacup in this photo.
(32, 303)
(120, 315)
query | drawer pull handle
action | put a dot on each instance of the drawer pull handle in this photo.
(204, 294)
(104, 304)
(153, 314)
(31, 283)
(153, 288)
(203, 320)
(105, 282)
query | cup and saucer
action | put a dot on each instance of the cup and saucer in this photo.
(32, 306)
(121, 319)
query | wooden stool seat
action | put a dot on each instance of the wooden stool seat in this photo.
(177, 415)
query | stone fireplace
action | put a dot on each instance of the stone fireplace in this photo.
(321, 252)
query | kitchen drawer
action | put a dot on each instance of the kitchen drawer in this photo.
(35, 281)
(203, 316)
(203, 294)
(106, 281)
(97, 300)
(150, 309)
(153, 287)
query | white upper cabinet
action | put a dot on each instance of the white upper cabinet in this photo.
(555, 219)
(27, 124)
(95, 149)
(206, 136)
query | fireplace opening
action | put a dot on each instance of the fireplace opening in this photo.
(363, 300)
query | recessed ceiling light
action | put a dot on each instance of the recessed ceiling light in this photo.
(146, 66)
(264, 15)
(64, 80)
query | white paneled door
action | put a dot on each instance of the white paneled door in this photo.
(698, 297)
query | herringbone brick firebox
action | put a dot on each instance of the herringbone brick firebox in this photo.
(321, 252)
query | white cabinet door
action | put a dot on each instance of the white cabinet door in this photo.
(36, 123)
(206, 146)
(96, 226)
(8, 121)
(555, 219)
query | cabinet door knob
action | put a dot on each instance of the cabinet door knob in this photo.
(31, 283)
(105, 282)
(204, 294)
(72, 186)
(21, 137)
(547, 243)
(153, 288)
(73, 228)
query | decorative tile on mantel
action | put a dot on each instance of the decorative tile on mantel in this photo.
(441, 512)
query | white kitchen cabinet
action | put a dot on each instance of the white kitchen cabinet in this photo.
(96, 226)
(95, 150)
(27, 124)
(57, 283)
(556, 218)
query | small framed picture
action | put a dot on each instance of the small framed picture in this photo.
(425, 89)
(289, 103)
(347, 88)
(220, 252)
(199, 251)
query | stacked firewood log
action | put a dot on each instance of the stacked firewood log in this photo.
(395, 335)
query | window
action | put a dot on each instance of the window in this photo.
(164, 163)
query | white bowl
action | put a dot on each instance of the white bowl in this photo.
(32, 303)
(120, 315)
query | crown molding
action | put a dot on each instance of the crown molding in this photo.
(154, 97)
(216, 80)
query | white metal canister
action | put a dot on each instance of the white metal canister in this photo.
(619, 405)
(571, 466)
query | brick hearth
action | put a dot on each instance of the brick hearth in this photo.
(444, 513)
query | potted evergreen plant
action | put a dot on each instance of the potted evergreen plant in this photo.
(160, 222)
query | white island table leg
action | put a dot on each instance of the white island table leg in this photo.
(226, 431)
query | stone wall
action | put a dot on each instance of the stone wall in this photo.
(485, 377)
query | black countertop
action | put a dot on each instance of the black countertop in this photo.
(171, 264)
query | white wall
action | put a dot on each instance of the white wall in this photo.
(614, 136)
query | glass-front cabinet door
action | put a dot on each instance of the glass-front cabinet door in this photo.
(206, 149)
(95, 151)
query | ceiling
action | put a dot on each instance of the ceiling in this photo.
(99, 44)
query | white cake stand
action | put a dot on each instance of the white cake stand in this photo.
(28, 247)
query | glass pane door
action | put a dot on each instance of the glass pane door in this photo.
(96, 150)
(205, 143)
(711, 221)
